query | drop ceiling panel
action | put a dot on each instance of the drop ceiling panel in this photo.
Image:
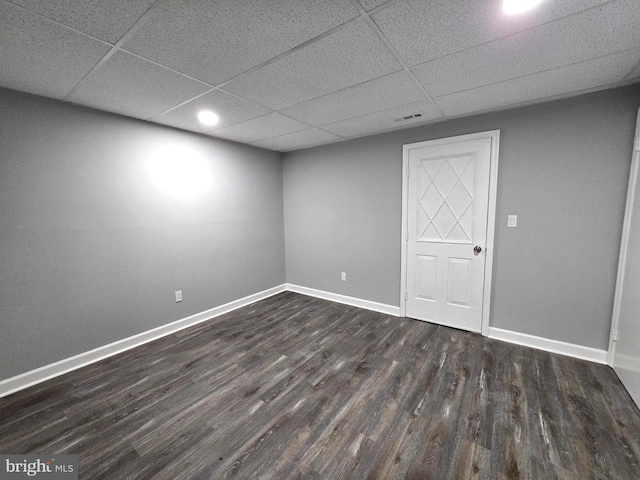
(597, 32)
(371, 4)
(349, 56)
(268, 126)
(217, 40)
(385, 120)
(39, 56)
(297, 140)
(539, 86)
(388, 91)
(131, 86)
(316, 62)
(425, 30)
(230, 108)
(105, 19)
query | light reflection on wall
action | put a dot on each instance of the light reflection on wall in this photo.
(180, 171)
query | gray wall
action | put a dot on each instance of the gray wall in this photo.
(627, 350)
(563, 170)
(91, 251)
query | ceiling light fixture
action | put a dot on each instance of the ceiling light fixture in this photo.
(208, 118)
(516, 7)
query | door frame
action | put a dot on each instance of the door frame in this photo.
(634, 173)
(494, 135)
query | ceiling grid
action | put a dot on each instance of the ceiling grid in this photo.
(291, 74)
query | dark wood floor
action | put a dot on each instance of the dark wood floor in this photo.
(296, 387)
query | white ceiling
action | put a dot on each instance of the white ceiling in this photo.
(289, 74)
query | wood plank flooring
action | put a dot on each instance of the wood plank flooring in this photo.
(297, 387)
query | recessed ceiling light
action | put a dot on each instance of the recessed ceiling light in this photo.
(516, 7)
(208, 118)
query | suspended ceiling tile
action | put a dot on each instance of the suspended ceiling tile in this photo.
(371, 4)
(41, 57)
(268, 126)
(378, 94)
(341, 77)
(105, 19)
(131, 86)
(297, 140)
(230, 108)
(349, 56)
(385, 120)
(217, 40)
(601, 72)
(421, 31)
(590, 34)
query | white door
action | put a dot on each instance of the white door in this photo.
(447, 193)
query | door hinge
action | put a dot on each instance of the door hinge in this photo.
(406, 295)
(615, 334)
(408, 172)
(637, 144)
(406, 236)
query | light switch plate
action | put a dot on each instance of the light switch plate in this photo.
(512, 221)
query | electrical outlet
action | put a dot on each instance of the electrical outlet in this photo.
(512, 221)
(343, 276)
(178, 296)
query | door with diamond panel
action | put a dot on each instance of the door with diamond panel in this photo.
(447, 197)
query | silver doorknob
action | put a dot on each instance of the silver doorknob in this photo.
(477, 250)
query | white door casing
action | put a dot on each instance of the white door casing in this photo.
(449, 195)
(624, 355)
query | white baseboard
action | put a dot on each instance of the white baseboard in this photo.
(33, 377)
(47, 372)
(626, 362)
(344, 299)
(548, 345)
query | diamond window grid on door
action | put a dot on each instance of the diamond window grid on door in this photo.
(446, 199)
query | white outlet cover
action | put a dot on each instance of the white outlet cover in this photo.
(178, 296)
